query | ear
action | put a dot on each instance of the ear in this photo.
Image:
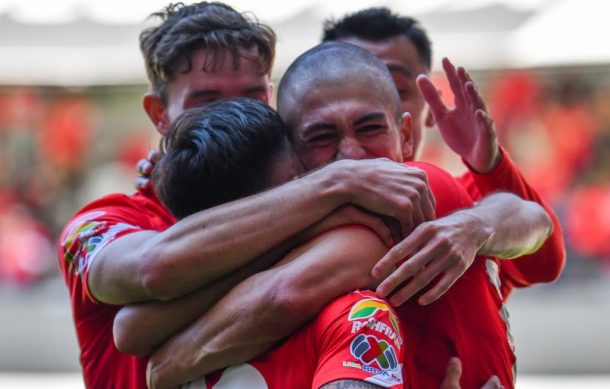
(406, 135)
(155, 109)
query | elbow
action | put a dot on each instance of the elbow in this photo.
(294, 303)
(157, 275)
(125, 337)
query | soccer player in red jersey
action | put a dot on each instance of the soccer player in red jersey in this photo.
(121, 250)
(403, 45)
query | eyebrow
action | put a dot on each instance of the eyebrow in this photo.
(400, 69)
(317, 126)
(369, 117)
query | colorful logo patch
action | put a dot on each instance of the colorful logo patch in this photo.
(367, 308)
(372, 351)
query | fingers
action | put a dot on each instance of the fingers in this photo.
(452, 374)
(402, 250)
(474, 97)
(442, 286)
(431, 95)
(456, 86)
(143, 183)
(153, 155)
(428, 267)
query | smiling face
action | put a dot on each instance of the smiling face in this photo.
(400, 55)
(346, 120)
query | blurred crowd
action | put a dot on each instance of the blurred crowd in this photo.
(61, 148)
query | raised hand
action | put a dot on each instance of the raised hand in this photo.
(467, 128)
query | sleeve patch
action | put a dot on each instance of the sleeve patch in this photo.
(86, 237)
(377, 343)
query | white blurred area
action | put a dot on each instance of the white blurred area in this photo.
(85, 55)
(94, 42)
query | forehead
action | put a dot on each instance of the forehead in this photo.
(398, 53)
(332, 100)
(213, 69)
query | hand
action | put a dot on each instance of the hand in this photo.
(145, 168)
(387, 188)
(468, 129)
(454, 372)
(447, 245)
(349, 214)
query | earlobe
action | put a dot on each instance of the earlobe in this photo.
(155, 109)
(406, 132)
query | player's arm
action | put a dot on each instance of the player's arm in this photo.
(501, 225)
(269, 306)
(469, 130)
(210, 244)
(141, 328)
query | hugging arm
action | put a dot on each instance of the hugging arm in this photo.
(501, 225)
(269, 306)
(207, 245)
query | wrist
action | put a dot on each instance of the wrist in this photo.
(482, 231)
(334, 183)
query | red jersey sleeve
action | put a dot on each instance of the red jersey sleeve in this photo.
(359, 338)
(98, 224)
(544, 265)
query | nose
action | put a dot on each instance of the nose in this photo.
(350, 148)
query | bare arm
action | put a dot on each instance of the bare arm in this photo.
(269, 306)
(210, 244)
(141, 328)
(501, 225)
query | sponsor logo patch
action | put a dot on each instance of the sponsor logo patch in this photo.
(362, 316)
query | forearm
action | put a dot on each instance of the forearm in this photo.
(262, 310)
(513, 227)
(544, 265)
(140, 329)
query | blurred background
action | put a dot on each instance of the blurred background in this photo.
(72, 129)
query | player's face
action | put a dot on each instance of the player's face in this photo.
(197, 87)
(400, 56)
(348, 121)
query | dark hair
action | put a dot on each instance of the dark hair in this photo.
(377, 24)
(341, 63)
(217, 153)
(215, 26)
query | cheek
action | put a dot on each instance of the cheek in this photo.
(314, 157)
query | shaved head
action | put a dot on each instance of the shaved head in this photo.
(334, 65)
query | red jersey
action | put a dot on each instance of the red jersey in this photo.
(469, 321)
(92, 228)
(544, 265)
(355, 337)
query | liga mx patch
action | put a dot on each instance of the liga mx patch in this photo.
(378, 359)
